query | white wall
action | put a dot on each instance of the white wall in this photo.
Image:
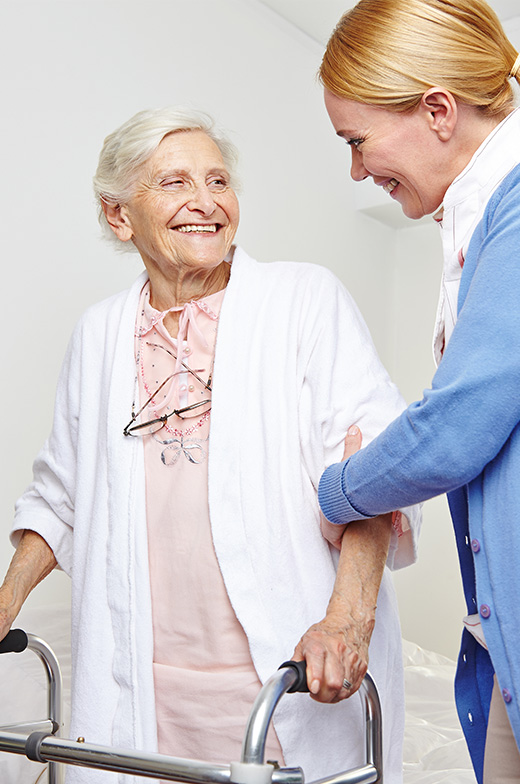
(78, 68)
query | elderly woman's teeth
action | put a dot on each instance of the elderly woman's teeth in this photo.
(389, 186)
(204, 229)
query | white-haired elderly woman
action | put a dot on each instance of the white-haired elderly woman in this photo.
(194, 416)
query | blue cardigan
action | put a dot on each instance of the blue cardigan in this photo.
(463, 438)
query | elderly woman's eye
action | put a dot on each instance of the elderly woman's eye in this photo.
(175, 182)
(355, 142)
(218, 183)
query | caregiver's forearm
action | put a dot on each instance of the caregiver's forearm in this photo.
(32, 561)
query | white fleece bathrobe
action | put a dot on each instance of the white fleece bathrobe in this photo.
(294, 367)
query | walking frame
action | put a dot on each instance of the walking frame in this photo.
(40, 741)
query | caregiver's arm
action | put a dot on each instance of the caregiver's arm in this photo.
(445, 440)
(337, 646)
(33, 560)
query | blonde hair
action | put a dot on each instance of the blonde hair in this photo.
(126, 149)
(389, 52)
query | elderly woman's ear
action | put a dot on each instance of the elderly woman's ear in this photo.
(118, 220)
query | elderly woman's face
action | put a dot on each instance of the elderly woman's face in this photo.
(183, 211)
(398, 151)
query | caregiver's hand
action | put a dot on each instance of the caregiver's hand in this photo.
(334, 533)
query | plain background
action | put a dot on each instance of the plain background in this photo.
(72, 72)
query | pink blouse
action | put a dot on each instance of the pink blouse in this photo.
(205, 681)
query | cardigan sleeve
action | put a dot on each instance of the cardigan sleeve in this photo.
(463, 422)
(345, 383)
(47, 505)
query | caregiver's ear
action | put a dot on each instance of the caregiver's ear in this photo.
(441, 111)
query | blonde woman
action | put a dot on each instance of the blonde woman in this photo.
(421, 92)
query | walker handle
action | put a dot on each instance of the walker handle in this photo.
(15, 641)
(300, 668)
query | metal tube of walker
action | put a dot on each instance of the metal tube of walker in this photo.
(147, 765)
(253, 748)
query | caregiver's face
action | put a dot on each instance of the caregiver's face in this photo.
(399, 151)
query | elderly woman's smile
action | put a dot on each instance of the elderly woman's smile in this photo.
(182, 215)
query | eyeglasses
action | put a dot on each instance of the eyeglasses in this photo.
(134, 428)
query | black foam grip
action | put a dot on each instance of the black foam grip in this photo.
(15, 641)
(300, 668)
(32, 746)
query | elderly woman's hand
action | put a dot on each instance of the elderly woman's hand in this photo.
(331, 532)
(334, 654)
(336, 648)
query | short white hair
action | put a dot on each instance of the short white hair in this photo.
(126, 149)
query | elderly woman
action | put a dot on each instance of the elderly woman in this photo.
(194, 416)
(421, 91)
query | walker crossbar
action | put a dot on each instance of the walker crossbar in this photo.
(43, 747)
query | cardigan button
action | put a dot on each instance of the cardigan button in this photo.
(506, 694)
(485, 610)
(475, 545)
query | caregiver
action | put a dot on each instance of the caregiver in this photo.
(421, 92)
(194, 416)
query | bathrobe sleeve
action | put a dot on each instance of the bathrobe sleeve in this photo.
(345, 383)
(47, 506)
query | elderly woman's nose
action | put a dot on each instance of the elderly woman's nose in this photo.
(202, 199)
(358, 171)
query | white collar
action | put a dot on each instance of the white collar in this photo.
(469, 193)
(463, 207)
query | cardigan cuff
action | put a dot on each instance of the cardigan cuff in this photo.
(333, 501)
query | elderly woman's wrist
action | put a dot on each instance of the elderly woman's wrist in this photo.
(10, 602)
(347, 613)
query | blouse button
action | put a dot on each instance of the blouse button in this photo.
(506, 694)
(475, 545)
(191, 388)
(187, 350)
(485, 610)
